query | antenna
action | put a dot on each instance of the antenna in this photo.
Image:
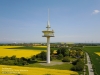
(48, 14)
(48, 22)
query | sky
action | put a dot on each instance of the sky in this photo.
(22, 21)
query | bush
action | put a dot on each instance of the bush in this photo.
(60, 56)
(78, 65)
(66, 59)
(76, 61)
(77, 68)
(73, 68)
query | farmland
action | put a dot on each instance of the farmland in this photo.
(16, 70)
(95, 58)
(31, 69)
(20, 51)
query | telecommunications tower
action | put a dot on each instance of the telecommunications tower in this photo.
(48, 33)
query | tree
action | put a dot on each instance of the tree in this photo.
(59, 51)
(64, 51)
(33, 57)
(51, 51)
(6, 58)
(23, 59)
(24, 63)
(13, 57)
(42, 55)
(1, 60)
(78, 65)
(15, 62)
(73, 53)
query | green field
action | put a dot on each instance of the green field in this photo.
(64, 66)
(95, 59)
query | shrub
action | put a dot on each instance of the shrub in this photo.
(60, 56)
(66, 59)
(73, 68)
(74, 62)
(78, 65)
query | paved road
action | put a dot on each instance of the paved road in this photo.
(89, 65)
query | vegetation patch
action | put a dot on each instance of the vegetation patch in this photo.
(70, 59)
(95, 59)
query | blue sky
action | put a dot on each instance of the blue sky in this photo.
(72, 20)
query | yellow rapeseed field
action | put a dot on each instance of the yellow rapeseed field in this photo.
(4, 51)
(17, 70)
(98, 53)
(42, 46)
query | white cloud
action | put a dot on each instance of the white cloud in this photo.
(96, 12)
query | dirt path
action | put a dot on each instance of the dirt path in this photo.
(90, 69)
(51, 63)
